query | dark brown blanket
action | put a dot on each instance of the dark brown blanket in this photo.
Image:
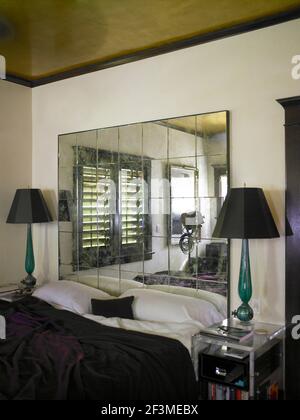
(56, 355)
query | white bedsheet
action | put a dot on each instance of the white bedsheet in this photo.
(182, 332)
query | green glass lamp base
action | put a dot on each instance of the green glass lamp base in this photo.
(245, 313)
(29, 282)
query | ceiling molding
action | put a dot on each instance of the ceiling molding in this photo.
(18, 80)
(168, 48)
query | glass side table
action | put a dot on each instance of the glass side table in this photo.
(248, 364)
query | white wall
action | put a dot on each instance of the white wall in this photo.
(244, 74)
(15, 172)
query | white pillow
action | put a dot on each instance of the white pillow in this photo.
(109, 285)
(219, 301)
(70, 295)
(153, 305)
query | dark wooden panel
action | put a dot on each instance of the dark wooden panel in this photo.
(292, 282)
(292, 368)
(293, 216)
(292, 110)
(293, 101)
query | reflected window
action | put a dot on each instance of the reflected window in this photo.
(111, 222)
(183, 193)
(96, 194)
(131, 204)
(223, 186)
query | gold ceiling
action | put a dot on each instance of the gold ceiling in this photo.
(204, 125)
(40, 38)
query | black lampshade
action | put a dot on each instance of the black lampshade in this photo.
(288, 228)
(245, 215)
(28, 207)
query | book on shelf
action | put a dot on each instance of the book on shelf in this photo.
(218, 392)
(269, 391)
(273, 394)
(228, 333)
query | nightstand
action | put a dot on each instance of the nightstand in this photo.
(11, 297)
(13, 293)
(250, 370)
(6, 288)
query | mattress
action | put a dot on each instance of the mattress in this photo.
(54, 354)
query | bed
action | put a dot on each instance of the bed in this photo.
(59, 350)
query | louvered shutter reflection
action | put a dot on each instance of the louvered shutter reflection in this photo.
(96, 194)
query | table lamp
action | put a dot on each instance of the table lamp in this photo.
(245, 215)
(29, 207)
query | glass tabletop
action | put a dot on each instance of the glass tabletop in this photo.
(262, 334)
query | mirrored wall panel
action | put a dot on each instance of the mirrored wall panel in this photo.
(138, 204)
